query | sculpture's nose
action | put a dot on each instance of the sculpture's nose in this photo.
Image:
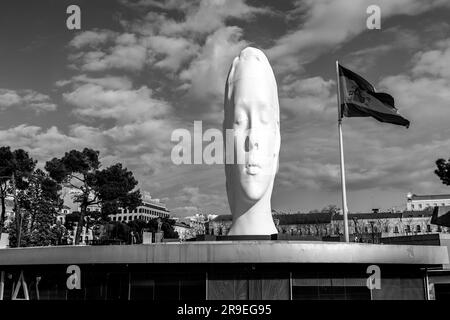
(251, 142)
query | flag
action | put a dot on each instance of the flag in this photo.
(441, 216)
(359, 99)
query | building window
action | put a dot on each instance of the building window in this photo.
(396, 229)
(418, 228)
(412, 206)
(366, 230)
(408, 229)
(420, 206)
(428, 228)
(119, 219)
(386, 229)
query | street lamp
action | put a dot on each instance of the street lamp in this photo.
(355, 221)
(373, 235)
(17, 211)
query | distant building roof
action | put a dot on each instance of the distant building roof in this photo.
(428, 212)
(327, 217)
(294, 218)
(430, 197)
(181, 224)
(223, 217)
(304, 218)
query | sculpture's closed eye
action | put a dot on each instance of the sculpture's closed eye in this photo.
(265, 118)
(241, 121)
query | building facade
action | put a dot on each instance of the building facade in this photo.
(184, 230)
(416, 202)
(225, 270)
(363, 227)
(9, 210)
(62, 213)
(150, 209)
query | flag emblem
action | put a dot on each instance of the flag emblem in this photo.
(360, 99)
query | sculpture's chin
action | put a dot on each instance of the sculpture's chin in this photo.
(253, 192)
(262, 229)
(255, 187)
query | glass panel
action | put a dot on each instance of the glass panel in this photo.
(329, 286)
(166, 288)
(142, 286)
(117, 286)
(193, 288)
(94, 284)
(51, 286)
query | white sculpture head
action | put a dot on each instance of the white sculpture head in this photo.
(252, 111)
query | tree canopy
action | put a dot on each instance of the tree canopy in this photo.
(443, 171)
(15, 167)
(39, 204)
(109, 188)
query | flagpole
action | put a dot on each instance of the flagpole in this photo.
(341, 152)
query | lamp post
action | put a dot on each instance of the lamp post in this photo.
(3, 222)
(355, 221)
(17, 212)
(373, 235)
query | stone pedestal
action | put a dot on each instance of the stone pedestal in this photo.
(146, 237)
(4, 240)
(158, 237)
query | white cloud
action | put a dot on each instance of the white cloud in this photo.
(195, 200)
(175, 51)
(157, 40)
(42, 144)
(29, 99)
(91, 38)
(8, 98)
(127, 53)
(142, 147)
(200, 17)
(329, 23)
(108, 82)
(377, 155)
(188, 58)
(307, 101)
(434, 62)
(123, 105)
(206, 75)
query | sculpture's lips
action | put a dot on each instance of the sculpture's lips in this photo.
(252, 168)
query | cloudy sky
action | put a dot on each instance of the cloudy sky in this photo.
(137, 70)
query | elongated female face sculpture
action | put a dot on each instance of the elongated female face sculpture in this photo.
(252, 120)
